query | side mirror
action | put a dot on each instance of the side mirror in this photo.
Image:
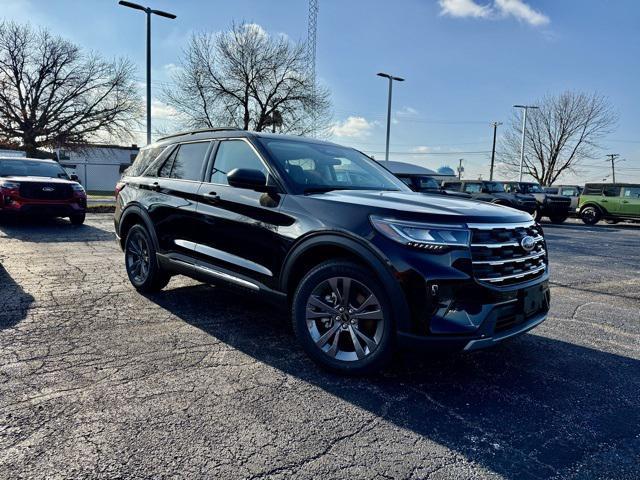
(249, 179)
(74, 177)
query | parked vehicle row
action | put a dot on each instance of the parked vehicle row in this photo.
(362, 262)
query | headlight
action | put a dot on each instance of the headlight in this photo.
(78, 188)
(422, 235)
(9, 185)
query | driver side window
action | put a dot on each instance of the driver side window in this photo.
(234, 154)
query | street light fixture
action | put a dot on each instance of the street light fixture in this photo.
(149, 12)
(524, 125)
(391, 79)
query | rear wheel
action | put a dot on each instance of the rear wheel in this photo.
(77, 219)
(342, 318)
(141, 263)
(558, 218)
(590, 215)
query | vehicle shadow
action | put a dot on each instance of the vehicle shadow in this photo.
(45, 230)
(602, 226)
(533, 408)
(14, 302)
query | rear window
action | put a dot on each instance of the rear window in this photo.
(611, 191)
(592, 190)
(145, 157)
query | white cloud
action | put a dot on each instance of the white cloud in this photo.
(407, 111)
(171, 68)
(464, 8)
(162, 111)
(353, 127)
(517, 9)
(421, 149)
(520, 10)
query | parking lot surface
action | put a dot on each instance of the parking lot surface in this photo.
(197, 382)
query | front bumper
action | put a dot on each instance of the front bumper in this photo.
(49, 209)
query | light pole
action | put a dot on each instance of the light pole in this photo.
(391, 79)
(493, 150)
(524, 126)
(160, 13)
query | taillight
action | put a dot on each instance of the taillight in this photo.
(119, 187)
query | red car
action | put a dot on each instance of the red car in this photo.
(40, 187)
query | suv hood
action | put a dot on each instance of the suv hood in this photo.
(37, 179)
(425, 207)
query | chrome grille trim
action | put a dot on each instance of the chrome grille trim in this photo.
(505, 244)
(533, 256)
(515, 275)
(498, 226)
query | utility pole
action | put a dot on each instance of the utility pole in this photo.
(493, 149)
(460, 168)
(149, 12)
(391, 79)
(524, 127)
(612, 158)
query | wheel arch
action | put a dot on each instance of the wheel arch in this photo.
(595, 205)
(317, 248)
(131, 216)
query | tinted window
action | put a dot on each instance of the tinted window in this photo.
(553, 191)
(427, 183)
(452, 186)
(631, 192)
(407, 181)
(493, 187)
(27, 168)
(234, 154)
(473, 187)
(144, 158)
(165, 171)
(593, 190)
(533, 188)
(188, 161)
(611, 191)
(569, 192)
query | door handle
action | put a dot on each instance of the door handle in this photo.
(604, 201)
(155, 186)
(212, 196)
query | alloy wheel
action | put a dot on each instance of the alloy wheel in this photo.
(344, 319)
(138, 259)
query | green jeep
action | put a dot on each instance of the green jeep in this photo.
(612, 202)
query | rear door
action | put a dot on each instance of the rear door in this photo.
(611, 198)
(630, 203)
(174, 208)
(238, 228)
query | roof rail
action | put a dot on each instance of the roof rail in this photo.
(202, 130)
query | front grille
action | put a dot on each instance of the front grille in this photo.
(498, 257)
(46, 191)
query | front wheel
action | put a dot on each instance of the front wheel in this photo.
(342, 318)
(590, 215)
(141, 263)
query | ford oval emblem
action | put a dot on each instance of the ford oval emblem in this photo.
(527, 243)
(48, 189)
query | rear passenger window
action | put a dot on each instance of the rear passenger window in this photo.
(145, 157)
(592, 190)
(452, 186)
(631, 192)
(234, 154)
(186, 162)
(611, 191)
(473, 188)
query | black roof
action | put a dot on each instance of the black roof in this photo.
(225, 132)
(617, 184)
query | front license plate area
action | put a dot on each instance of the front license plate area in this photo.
(534, 299)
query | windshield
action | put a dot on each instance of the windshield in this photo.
(493, 187)
(315, 167)
(31, 168)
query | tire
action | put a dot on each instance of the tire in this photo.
(557, 219)
(590, 215)
(141, 262)
(537, 216)
(77, 219)
(321, 291)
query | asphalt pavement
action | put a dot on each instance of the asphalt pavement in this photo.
(98, 381)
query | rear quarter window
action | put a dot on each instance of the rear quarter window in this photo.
(592, 190)
(145, 157)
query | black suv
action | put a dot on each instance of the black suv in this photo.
(362, 262)
(556, 207)
(492, 192)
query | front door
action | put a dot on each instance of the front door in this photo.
(630, 203)
(239, 227)
(611, 199)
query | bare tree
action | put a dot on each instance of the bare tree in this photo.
(564, 131)
(248, 79)
(52, 94)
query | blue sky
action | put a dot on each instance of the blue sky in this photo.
(466, 62)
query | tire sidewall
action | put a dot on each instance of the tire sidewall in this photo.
(153, 263)
(308, 283)
(590, 220)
